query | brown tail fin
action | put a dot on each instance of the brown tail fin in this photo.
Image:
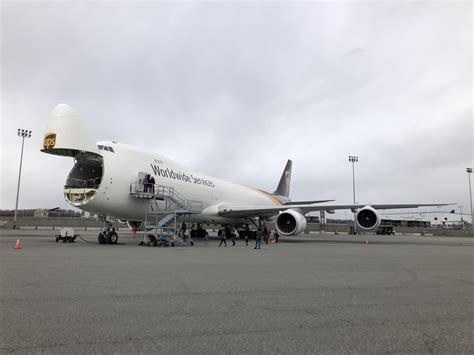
(283, 188)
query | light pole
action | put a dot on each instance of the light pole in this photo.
(469, 172)
(23, 133)
(353, 159)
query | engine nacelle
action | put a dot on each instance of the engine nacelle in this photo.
(290, 222)
(137, 224)
(367, 218)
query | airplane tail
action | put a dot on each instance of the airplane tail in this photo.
(283, 188)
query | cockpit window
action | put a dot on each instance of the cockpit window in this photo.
(107, 148)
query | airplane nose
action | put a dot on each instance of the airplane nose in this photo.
(66, 135)
(63, 110)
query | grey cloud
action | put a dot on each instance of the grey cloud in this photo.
(233, 90)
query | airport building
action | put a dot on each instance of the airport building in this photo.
(442, 219)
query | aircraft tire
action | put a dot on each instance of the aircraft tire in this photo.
(101, 238)
(112, 238)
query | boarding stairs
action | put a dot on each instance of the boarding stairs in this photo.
(167, 219)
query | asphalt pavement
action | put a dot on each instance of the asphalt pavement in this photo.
(311, 294)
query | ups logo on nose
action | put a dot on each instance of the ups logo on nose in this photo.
(49, 141)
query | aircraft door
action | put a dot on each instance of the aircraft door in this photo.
(65, 134)
(139, 185)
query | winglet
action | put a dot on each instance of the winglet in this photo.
(283, 188)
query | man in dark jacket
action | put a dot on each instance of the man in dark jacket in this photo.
(221, 235)
(228, 234)
(258, 238)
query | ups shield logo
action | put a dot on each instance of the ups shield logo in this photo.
(49, 141)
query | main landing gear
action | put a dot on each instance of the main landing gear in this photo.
(108, 235)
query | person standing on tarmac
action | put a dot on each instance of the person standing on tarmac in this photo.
(276, 237)
(233, 236)
(247, 235)
(271, 239)
(258, 238)
(265, 235)
(221, 235)
(228, 234)
(201, 232)
(183, 228)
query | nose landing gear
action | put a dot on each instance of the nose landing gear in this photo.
(108, 235)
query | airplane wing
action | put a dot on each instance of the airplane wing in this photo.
(264, 211)
(305, 202)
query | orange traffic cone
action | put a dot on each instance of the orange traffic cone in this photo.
(18, 245)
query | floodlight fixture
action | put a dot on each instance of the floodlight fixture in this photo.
(23, 133)
(353, 159)
(469, 172)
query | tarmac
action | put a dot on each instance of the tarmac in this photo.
(310, 294)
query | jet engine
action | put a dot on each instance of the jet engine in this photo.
(367, 218)
(290, 222)
(137, 224)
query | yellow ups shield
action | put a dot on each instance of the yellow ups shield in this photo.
(49, 141)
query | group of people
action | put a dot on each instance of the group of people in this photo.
(226, 233)
(264, 235)
(202, 233)
(155, 241)
(267, 236)
(148, 184)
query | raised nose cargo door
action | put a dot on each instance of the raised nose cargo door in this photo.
(65, 135)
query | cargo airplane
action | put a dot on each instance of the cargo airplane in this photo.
(114, 180)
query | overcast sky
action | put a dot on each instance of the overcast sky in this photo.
(235, 89)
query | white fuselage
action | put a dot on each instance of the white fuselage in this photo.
(121, 168)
